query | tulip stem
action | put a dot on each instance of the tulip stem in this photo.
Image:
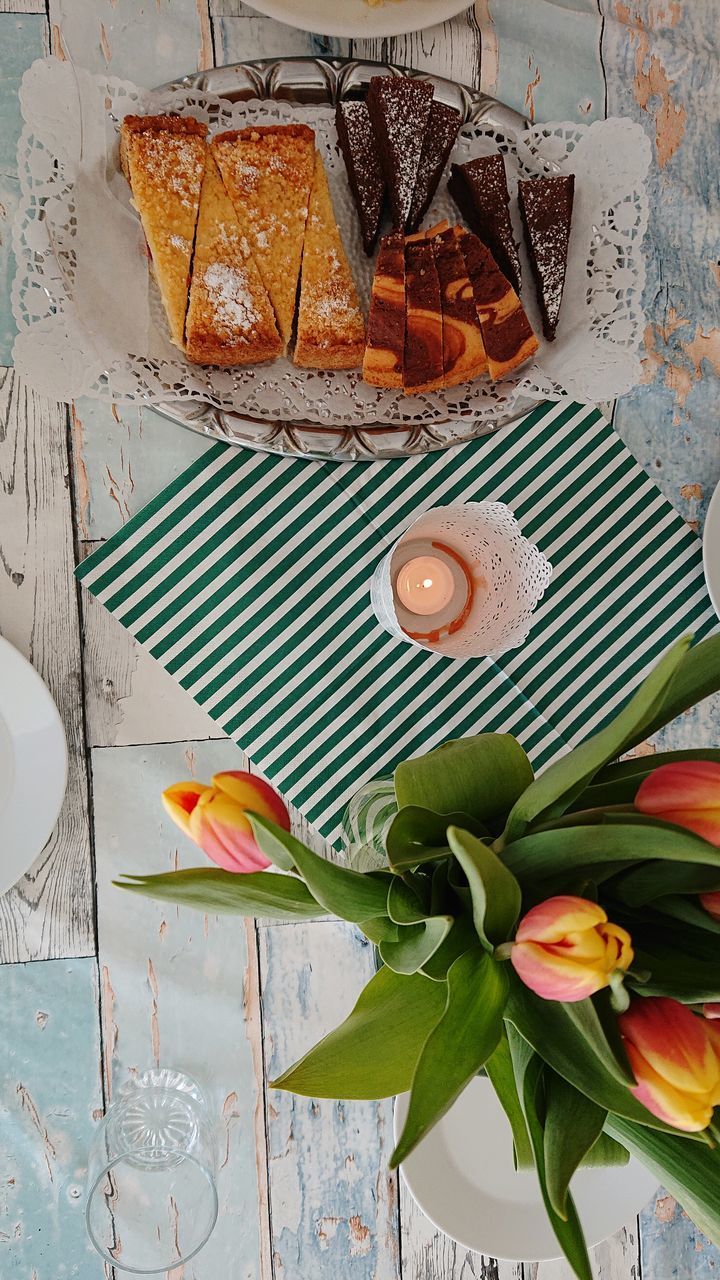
(503, 951)
(714, 1129)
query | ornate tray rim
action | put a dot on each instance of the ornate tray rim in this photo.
(324, 79)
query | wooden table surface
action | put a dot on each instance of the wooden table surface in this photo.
(93, 982)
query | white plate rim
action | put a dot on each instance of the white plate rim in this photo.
(435, 1215)
(30, 826)
(711, 549)
(382, 20)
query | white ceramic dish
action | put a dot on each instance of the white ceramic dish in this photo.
(463, 1179)
(711, 550)
(33, 765)
(359, 19)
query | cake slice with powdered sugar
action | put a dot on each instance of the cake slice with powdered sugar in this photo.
(362, 162)
(546, 208)
(399, 109)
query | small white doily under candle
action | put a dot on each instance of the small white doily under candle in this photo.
(508, 576)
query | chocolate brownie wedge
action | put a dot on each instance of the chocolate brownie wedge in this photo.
(464, 355)
(359, 150)
(479, 189)
(546, 207)
(509, 340)
(442, 130)
(423, 358)
(399, 110)
(383, 360)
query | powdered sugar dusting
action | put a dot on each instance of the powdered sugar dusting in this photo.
(230, 297)
(175, 162)
(399, 110)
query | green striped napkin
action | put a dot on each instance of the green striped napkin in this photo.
(248, 579)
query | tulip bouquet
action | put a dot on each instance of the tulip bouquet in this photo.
(560, 933)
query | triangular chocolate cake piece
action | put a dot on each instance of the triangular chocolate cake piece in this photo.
(399, 109)
(464, 355)
(360, 153)
(546, 208)
(479, 189)
(423, 358)
(383, 361)
(442, 130)
(509, 341)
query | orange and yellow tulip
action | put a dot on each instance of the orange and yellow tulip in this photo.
(675, 1058)
(711, 903)
(215, 817)
(686, 793)
(566, 949)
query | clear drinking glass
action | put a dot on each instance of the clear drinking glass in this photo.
(151, 1194)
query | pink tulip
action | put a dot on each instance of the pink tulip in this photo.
(687, 794)
(215, 817)
(711, 903)
(711, 1011)
(675, 1058)
(566, 949)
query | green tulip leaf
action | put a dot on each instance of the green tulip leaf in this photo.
(352, 895)
(654, 880)
(689, 1170)
(461, 938)
(380, 929)
(373, 1053)
(257, 893)
(573, 1123)
(500, 1072)
(417, 835)
(553, 1032)
(460, 1043)
(618, 783)
(689, 912)
(408, 903)
(481, 776)
(683, 964)
(605, 1153)
(560, 784)
(496, 895)
(696, 677)
(567, 1228)
(547, 853)
(416, 944)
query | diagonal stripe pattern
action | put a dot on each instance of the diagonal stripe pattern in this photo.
(248, 579)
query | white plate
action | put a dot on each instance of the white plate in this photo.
(463, 1179)
(33, 765)
(356, 18)
(711, 550)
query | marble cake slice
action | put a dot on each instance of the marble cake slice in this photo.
(463, 349)
(442, 130)
(385, 345)
(399, 109)
(423, 356)
(360, 153)
(509, 341)
(546, 208)
(479, 189)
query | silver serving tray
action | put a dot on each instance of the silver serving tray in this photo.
(317, 81)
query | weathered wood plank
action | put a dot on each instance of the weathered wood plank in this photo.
(180, 989)
(50, 1101)
(241, 33)
(129, 698)
(614, 1259)
(50, 912)
(147, 43)
(428, 1254)
(659, 61)
(672, 1246)
(543, 57)
(450, 49)
(333, 1204)
(22, 6)
(22, 39)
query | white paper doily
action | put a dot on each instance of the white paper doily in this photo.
(89, 318)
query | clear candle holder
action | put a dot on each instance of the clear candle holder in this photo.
(462, 581)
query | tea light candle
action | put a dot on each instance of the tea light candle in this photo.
(425, 585)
